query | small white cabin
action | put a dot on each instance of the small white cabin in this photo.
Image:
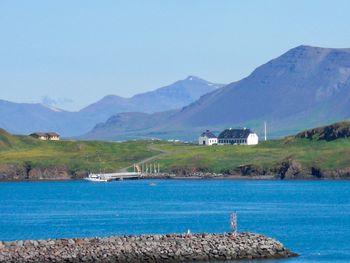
(53, 136)
(207, 138)
(46, 136)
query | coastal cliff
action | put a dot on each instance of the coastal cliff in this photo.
(288, 169)
(12, 172)
(146, 248)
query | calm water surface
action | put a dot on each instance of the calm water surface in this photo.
(310, 217)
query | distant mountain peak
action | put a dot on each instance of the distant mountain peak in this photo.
(190, 78)
(307, 50)
(170, 97)
(308, 47)
(201, 81)
(318, 47)
(195, 79)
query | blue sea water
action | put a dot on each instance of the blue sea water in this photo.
(310, 217)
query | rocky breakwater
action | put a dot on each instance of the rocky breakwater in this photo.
(146, 248)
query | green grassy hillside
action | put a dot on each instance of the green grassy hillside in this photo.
(321, 149)
(76, 155)
(111, 156)
(223, 159)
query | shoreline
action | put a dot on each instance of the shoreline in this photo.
(196, 178)
(146, 248)
(287, 171)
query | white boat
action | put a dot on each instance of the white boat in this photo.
(96, 178)
(106, 177)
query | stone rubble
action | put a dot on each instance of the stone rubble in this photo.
(145, 248)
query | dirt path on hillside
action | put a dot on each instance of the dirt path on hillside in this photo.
(150, 147)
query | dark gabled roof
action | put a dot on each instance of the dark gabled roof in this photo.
(208, 134)
(38, 134)
(53, 134)
(46, 134)
(235, 134)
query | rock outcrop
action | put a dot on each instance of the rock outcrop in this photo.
(327, 133)
(145, 248)
(291, 169)
(336, 173)
(11, 172)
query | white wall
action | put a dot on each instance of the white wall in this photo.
(252, 139)
(208, 141)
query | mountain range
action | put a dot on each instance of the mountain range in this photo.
(304, 87)
(25, 118)
(174, 96)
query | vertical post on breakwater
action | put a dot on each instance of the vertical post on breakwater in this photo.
(233, 221)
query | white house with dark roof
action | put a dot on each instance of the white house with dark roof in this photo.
(238, 136)
(207, 138)
(46, 136)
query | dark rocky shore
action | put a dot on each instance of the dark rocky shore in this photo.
(146, 248)
(289, 169)
(12, 172)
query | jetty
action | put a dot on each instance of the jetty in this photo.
(139, 172)
(105, 177)
(146, 248)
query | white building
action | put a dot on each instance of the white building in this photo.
(46, 136)
(207, 138)
(53, 136)
(238, 136)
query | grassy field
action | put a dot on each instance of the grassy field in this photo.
(76, 155)
(322, 154)
(112, 156)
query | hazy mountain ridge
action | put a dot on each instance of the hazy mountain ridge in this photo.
(25, 118)
(173, 96)
(305, 87)
(131, 125)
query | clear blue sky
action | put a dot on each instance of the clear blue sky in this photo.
(83, 50)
